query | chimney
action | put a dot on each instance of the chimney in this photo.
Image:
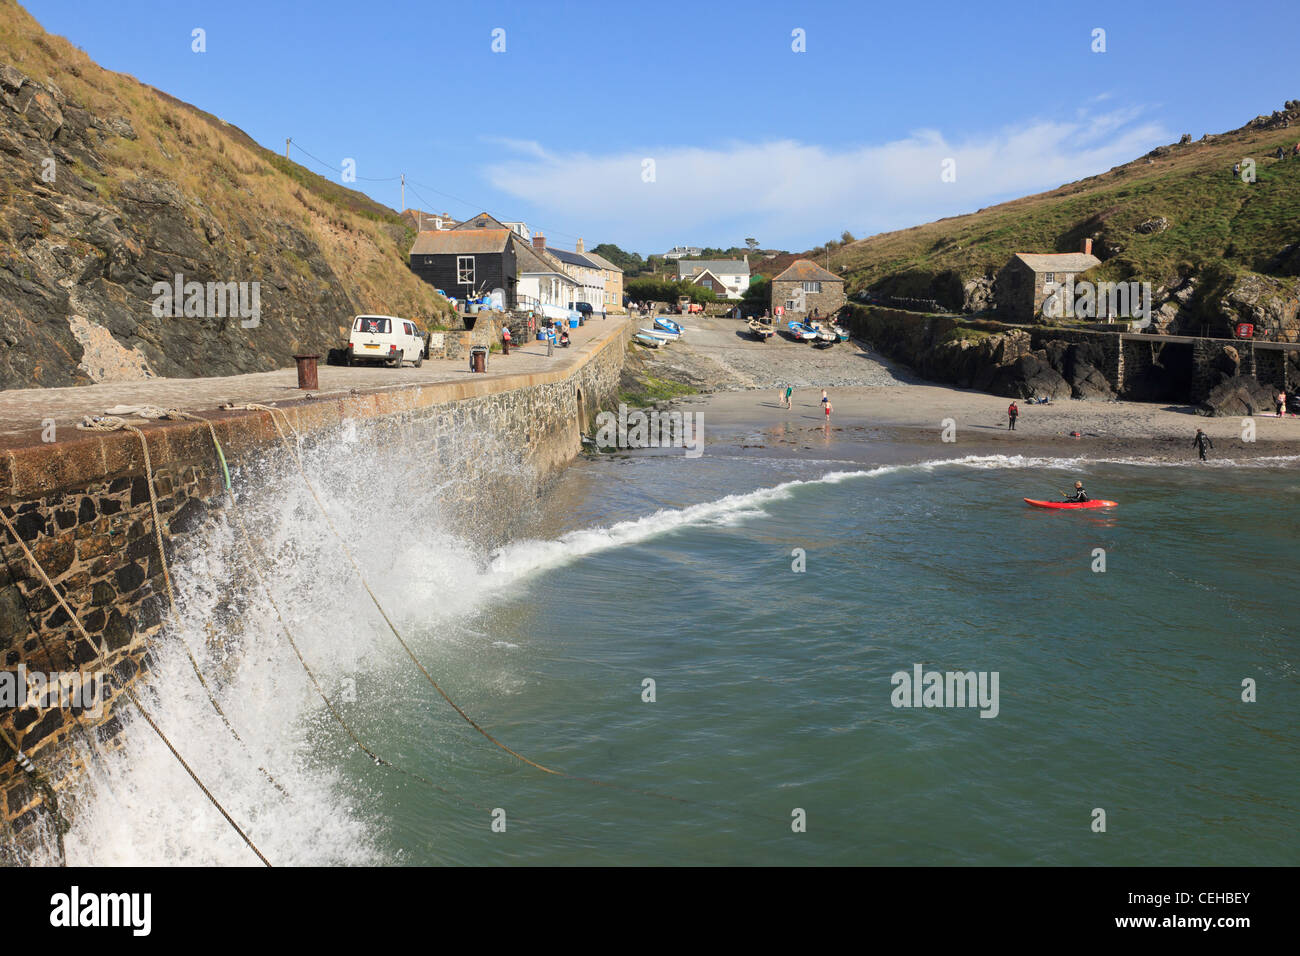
(539, 241)
(1087, 247)
(579, 247)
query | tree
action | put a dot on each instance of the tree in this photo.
(754, 300)
(752, 244)
(629, 262)
(846, 237)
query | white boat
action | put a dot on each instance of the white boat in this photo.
(668, 325)
(648, 340)
(763, 330)
(823, 334)
(801, 332)
(661, 334)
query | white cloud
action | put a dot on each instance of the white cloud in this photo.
(792, 194)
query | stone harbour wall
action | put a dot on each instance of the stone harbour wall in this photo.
(82, 507)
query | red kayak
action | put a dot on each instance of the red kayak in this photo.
(1072, 504)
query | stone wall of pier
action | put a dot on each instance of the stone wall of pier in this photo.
(81, 506)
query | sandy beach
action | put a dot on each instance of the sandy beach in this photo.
(877, 403)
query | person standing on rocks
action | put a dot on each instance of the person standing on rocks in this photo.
(1202, 443)
(1013, 411)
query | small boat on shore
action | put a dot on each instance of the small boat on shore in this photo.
(649, 341)
(840, 332)
(802, 332)
(668, 325)
(823, 333)
(762, 330)
(661, 334)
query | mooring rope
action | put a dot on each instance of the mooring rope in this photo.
(110, 423)
(366, 584)
(405, 646)
(61, 825)
(126, 688)
(129, 690)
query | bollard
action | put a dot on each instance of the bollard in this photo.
(307, 371)
(478, 358)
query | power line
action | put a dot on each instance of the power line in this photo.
(412, 184)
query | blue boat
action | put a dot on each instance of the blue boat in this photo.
(804, 333)
(668, 325)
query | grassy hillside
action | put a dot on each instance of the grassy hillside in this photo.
(147, 185)
(1217, 224)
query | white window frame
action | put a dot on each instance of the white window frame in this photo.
(814, 287)
(462, 270)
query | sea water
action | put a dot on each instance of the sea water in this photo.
(708, 651)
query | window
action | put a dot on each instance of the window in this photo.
(812, 286)
(372, 323)
(465, 270)
(1049, 276)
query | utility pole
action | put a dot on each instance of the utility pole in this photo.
(403, 190)
(286, 147)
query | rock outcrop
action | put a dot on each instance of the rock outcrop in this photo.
(1240, 395)
(98, 206)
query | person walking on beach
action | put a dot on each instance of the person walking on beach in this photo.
(1202, 443)
(826, 404)
(1012, 411)
(789, 390)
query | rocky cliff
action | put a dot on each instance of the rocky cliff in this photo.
(110, 189)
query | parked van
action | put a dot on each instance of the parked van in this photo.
(387, 339)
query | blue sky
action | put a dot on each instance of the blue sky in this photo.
(747, 137)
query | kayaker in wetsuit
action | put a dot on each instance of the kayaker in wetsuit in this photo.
(1079, 493)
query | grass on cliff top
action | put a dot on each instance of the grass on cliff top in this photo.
(1216, 221)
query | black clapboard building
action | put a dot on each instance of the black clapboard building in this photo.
(474, 258)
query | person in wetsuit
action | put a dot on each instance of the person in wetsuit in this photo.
(1079, 493)
(1202, 443)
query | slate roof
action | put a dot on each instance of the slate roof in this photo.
(1058, 262)
(573, 258)
(805, 270)
(530, 259)
(460, 242)
(602, 262)
(732, 267)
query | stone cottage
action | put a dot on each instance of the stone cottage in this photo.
(1029, 278)
(805, 287)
